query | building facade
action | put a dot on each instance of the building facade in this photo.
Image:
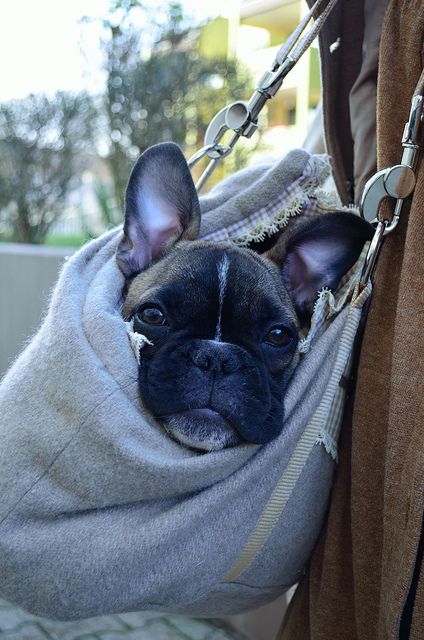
(253, 31)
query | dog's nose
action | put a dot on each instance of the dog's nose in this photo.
(215, 356)
(200, 359)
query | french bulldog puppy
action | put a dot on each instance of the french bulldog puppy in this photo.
(222, 321)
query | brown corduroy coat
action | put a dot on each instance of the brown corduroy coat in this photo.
(366, 578)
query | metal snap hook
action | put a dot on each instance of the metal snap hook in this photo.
(372, 254)
(399, 181)
(395, 182)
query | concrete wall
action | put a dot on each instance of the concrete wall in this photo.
(27, 274)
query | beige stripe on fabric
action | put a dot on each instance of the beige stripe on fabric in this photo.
(307, 441)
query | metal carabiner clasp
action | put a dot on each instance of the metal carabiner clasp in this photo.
(214, 151)
(395, 182)
(234, 117)
(398, 181)
(269, 83)
(413, 135)
(210, 150)
(372, 254)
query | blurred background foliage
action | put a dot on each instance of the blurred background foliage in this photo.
(54, 150)
(44, 148)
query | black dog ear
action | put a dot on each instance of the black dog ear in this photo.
(161, 207)
(317, 252)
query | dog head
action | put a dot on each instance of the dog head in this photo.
(222, 322)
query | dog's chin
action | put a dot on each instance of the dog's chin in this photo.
(201, 429)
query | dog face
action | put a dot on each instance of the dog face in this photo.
(224, 336)
(222, 322)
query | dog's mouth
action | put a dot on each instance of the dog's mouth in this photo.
(201, 429)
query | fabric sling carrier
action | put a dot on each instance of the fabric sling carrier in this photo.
(100, 511)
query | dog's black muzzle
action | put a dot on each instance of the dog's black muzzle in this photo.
(211, 394)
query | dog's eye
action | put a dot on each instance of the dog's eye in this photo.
(279, 336)
(151, 315)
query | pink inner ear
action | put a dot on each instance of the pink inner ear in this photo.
(306, 266)
(295, 270)
(317, 256)
(160, 222)
(320, 253)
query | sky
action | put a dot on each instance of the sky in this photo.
(41, 44)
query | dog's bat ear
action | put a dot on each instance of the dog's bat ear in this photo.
(317, 252)
(161, 207)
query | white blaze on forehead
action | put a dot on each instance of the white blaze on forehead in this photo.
(222, 283)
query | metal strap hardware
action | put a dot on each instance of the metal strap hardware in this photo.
(242, 117)
(395, 182)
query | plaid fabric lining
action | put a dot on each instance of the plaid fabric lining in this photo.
(269, 218)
